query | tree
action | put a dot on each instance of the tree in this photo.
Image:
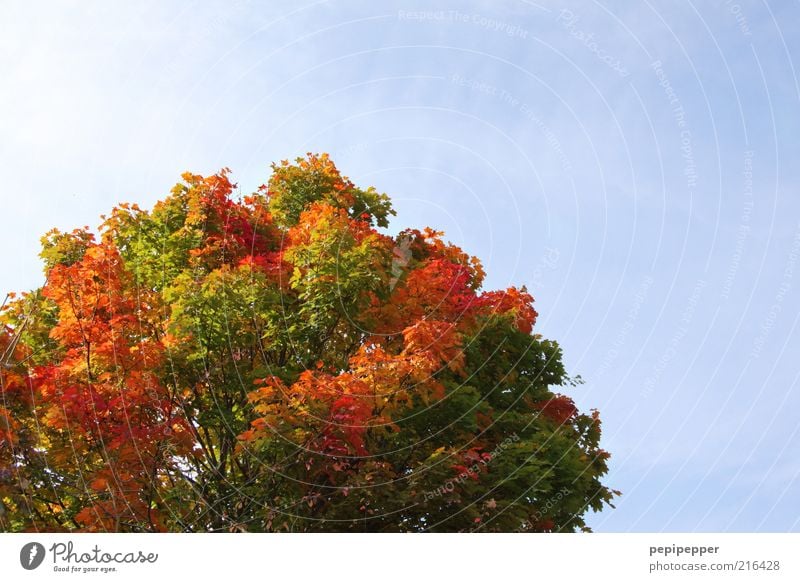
(275, 362)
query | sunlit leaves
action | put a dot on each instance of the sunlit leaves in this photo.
(294, 187)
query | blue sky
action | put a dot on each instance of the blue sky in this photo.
(633, 163)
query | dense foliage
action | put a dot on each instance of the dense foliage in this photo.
(275, 362)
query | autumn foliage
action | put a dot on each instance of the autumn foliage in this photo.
(278, 362)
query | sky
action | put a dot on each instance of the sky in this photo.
(634, 163)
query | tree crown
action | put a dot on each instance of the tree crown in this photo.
(275, 362)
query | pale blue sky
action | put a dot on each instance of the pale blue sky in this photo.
(651, 208)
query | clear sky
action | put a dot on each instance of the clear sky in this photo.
(635, 164)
